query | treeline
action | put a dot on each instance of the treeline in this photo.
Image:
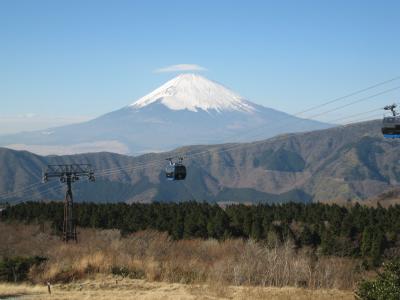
(359, 231)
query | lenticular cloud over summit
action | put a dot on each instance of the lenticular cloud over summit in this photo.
(181, 68)
(188, 109)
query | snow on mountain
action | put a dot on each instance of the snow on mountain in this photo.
(194, 92)
(187, 110)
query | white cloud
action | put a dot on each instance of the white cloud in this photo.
(99, 146)
(10, 124)
(180, 68)
(28, 115)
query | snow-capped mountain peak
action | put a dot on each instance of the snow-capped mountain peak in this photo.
(187, 110)
(194, 92)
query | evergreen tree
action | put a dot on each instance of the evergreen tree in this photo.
(256, 229)
(377, 246)
(366, 242)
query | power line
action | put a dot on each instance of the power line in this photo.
(350, 95)
(190, 156)
(292, 122)
(20, 190)
(332, 110)
(357, 101)
(111, 171)
(364, 119)
(355, 115)
(53, 188)
(116, 170)
(323, 104)
(49, 188)
(158, 163)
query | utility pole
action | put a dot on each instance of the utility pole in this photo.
(69, 174)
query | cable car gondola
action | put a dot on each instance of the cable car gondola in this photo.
(391, 125)
(175, 170)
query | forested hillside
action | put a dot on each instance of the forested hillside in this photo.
(359, 231)
(352, 162)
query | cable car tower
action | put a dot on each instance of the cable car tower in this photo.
(69, 174)
(391, 124)
(391, 108)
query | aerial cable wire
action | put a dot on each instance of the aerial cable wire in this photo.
(357, 101)
(22, 189)
(39, 192)
(292, 122)
(335, 109)
(53, 188)
(159, 163)
(354, 115)
(111, 171)
(234, 147)
(324, 104)
(349, 95)
(364, 119)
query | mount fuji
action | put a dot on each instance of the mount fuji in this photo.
(189, 109)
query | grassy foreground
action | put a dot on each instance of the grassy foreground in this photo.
(112, 287)
(150, 265)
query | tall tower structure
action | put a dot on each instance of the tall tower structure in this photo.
(68, 174)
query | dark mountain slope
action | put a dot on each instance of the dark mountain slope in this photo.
(338, 163)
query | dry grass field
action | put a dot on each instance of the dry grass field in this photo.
(107, 287)
(150, 265)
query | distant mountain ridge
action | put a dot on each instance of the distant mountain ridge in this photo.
(187, 110)
(351, 162)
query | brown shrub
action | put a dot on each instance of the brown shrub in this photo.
(156, 257)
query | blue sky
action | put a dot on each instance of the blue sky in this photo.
(66, 61)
